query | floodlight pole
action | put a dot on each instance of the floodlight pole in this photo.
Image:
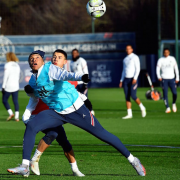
(0, 24)
(159, 28)
(176, 31)
(93, 24)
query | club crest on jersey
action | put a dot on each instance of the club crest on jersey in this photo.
(43, 92)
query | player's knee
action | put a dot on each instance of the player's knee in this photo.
(134, 97)
(128, 98)
(50, 137)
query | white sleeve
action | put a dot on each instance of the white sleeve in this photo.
(137, 67)
(84, 67)
(176, 70)
(60, 74)
(158, 68)
(29, 108)
(33, 101)
(122, 76)
(6, 75)
(82, 96)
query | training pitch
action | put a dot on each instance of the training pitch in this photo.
(155, 140)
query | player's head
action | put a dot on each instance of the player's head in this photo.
(166, 52)
(36, 59)
(59, 58)
(75, 54)
(129, 49)
(10, 56)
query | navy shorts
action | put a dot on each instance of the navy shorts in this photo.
(129, 89)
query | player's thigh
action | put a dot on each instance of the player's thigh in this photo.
(84, 119)
(6, 96)
(15, 96)
(134, 91)
(165, 86)
(127, 89)
(173, 86)
(46, 119)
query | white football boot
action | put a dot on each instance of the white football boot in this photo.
(138, 167)
(78, 173)
(35, 167)
(168, 110)
(143, 112)
(127, 117)
(174, 108)
(20, 170)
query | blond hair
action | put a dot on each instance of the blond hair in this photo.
(10, 56)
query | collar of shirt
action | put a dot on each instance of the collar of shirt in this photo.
(130, 55)
(39, 71)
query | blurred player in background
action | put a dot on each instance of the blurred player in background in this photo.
(167, 65)
(130, 73)
(79, 65)
(10, 84)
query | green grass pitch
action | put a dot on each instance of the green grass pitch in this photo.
(96, 159)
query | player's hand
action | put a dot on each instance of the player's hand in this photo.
(120, 84)
(28, 89)
(85, 78)
(134, 81)
(177, 82)
(160, 79)
(26, 116)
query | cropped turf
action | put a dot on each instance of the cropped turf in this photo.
(96, 159)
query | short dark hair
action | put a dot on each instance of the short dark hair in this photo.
(129, 45)
(166, 49)
(60, 51)
(74, 50)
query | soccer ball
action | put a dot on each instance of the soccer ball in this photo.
(96, 8)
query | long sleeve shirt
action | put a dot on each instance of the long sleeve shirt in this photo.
(11, 77)
(80, 66)
(167, 66)
(131, 67)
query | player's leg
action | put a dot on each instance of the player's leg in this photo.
(173, 87)
(16, 105)
(165, 95)
(136, 99)
(59, 134)
(6, 104)
(44, 120)
(127, 92)
(68, 151)
(85, 120)
(82, 88)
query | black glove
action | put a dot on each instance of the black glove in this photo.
(88, 104)
(28, 89)
(85, 78)
(3, 91)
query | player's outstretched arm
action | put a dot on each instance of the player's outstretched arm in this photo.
(56, 73)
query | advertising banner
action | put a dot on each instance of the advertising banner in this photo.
(102, 73)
